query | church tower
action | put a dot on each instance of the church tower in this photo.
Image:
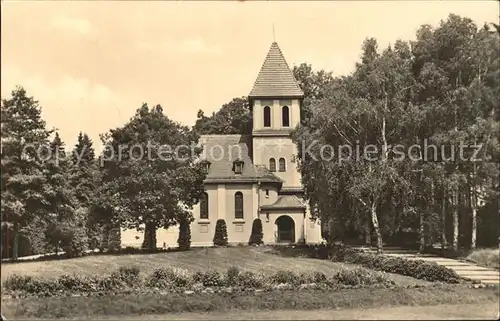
(275, 104)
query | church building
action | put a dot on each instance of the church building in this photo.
(253, 176)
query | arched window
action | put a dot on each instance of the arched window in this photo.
(272, 165)
(267, 116)
(204, 206)
(238, 205)
(282, 165)
(285, 116)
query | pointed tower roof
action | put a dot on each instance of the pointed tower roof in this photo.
(275, 78)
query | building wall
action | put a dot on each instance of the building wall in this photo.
(313, 228)
(273, 194)
(277, 146)
(286, 149)
(276, 107)
(202, 231)
(270, 229)
(238, 230)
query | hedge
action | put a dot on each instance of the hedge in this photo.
(418, 269)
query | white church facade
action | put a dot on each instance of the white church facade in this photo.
(253, 176)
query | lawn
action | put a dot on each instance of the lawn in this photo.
(117, 307)
(247, 258)
(488, 311)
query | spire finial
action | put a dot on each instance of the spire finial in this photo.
(274, 36)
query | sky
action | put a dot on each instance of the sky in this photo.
(91, 64)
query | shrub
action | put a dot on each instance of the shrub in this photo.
(46, 287)
(486, 257)
(127, 275)
(250, 280)
(130, 250)
(419, 269)
(110, 283)
(220, 237)
(208, 278)
(361, 276)
(304, 278)
(319, 277)
(256, 235)
(232, 274)
(337, 251)
(75, 239)
(77, 284)
(284, 276)
(18, 282)
(169, 278)
(33, 286)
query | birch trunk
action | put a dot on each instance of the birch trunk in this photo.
(422, 232)
(421, 218)
(474, 228)
(376, 228)
(430, 235)
(455, 219)
(444, 242)
(474, 205)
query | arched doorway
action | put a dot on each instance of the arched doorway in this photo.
(285, 229)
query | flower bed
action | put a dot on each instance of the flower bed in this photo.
(164, 280)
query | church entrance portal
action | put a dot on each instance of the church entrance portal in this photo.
(286, 229)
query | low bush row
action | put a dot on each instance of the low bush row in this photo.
(128, 280)
(418, 269)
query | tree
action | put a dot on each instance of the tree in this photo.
(151, 173)
(66, 221)
(220, 236)
(84, 177)
(233, 118)
(457, 68)
(23, 134)
(365, 109)
(442, 90)
(256, 235)
(314, 84)
(184, 239)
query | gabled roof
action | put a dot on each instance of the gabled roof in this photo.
(285, 202)
(266, 176)
(275, 78)
(222, 150)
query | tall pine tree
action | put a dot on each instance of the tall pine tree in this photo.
(24, 133)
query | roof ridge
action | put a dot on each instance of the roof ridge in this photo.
(281, 199)
(298, 199)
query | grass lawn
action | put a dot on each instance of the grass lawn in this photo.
(127, 306)
(247, 258)
(488, 311)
